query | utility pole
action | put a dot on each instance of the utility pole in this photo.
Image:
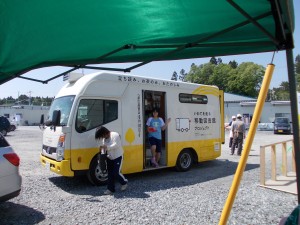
(29, 92)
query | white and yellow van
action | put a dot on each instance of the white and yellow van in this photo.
(123, 103)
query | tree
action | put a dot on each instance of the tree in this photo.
(219, 76)
(182, 75)
(245, 79)
(174, 76)
(233, 64)
(213, 60)
(282, 93)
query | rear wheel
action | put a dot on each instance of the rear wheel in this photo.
(95, 175)
(12, 127)
(184, 160)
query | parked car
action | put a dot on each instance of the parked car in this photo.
(282, 125)
(10, 178)
(4, 125)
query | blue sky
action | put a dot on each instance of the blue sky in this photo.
(162, 70)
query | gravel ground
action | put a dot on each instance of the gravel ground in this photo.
(157, 197)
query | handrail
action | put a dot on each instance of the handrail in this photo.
(273, 160)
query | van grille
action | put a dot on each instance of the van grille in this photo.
(49, 150)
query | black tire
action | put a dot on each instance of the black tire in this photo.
(12, 127)
(3, 132)
(184, 161)
(95, 175)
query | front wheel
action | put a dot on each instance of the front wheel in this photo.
(184, 161)
(95, 175)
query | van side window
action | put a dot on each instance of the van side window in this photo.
(92, 113)
(192, 98)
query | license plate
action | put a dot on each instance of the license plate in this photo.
(280, 131)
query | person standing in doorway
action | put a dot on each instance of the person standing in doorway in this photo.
(238, 130)
(155, 125)
(110, 142)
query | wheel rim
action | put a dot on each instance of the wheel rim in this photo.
(100, 175)
(185, 160)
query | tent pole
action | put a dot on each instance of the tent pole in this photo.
(294, 111)
(248, 142)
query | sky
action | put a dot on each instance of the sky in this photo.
(162, 70)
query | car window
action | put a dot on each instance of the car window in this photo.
(3, 142)
(4, 123)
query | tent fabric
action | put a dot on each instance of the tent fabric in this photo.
(35, 33)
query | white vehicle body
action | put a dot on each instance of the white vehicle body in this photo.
(10, 178)
(123, 103)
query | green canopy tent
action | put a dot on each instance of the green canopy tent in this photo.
(36, 34)
(78, 34)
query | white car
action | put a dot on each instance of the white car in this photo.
(10, 179)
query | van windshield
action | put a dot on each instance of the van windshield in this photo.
(282, 120)
(64, 104)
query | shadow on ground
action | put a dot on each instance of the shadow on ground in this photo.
(12, 213)
(141, 183)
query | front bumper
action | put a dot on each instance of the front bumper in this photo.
(62, 168)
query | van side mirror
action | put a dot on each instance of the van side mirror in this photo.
(42, 119)
(56, 118)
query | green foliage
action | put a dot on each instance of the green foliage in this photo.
(174, 76)
(244, 79)
(25, 100)
(183, 74)
(233, 64)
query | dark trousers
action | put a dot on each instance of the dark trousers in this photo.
(238, 139)
(114, 172)
(230, 142)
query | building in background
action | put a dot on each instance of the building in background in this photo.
(236, 104)
(24, 115)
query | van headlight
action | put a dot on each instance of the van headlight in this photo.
(60, 154)
(60, 148)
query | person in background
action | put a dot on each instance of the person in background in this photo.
(110, 142)
(155, 125)
(238, 130)
(233, 118)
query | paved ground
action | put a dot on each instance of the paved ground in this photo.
(172, 196)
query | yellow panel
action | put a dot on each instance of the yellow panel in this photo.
(206, 90)
(63, 168)
(81, 158)
(133, 159)
(133, 155)
(204, 149)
